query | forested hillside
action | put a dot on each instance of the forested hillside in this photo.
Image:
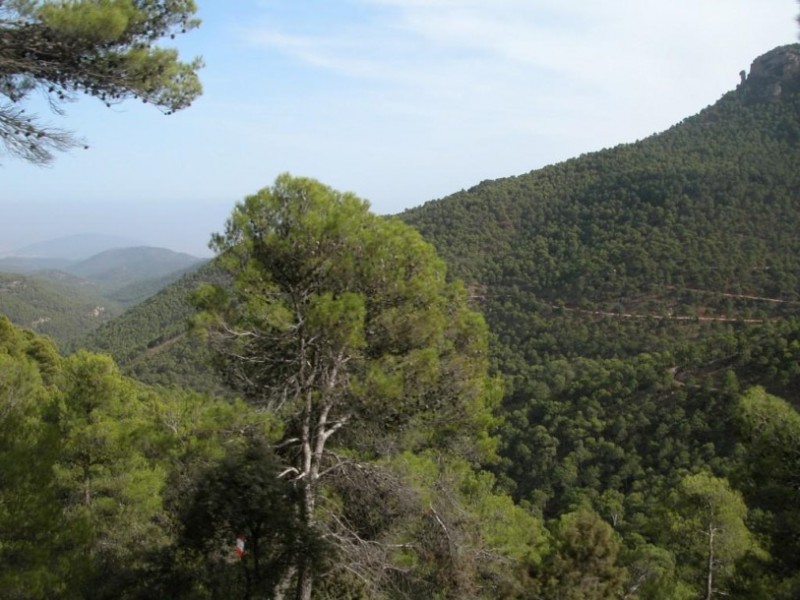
(644, 310)
(634, 295)
(151, 341)
(68, 299)
(118, 268)
(695, 225)
(62, 307)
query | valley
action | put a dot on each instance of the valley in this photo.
(67, 298)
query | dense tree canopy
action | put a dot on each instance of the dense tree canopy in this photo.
(103, 48)
(102, 477)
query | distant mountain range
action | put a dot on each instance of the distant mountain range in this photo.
(73, 247)
(113, 269)
(67, 298)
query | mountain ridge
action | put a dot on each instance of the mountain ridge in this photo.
(68, 300)
(679, 228)
(122, 266)
(71, 247)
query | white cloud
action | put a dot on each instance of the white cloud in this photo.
(474, 49)
(505, 86)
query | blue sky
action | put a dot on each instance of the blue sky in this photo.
(399, 101)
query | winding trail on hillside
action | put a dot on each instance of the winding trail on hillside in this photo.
(739, 296)
(623, 315)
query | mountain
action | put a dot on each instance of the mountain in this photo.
(20, 264)
(73, 247)
(120, 267)
(151, 341)
(631, 249)
(125, 274)
(644, 303)
(67, 299)
(63, 311)
(637, 248)
(136, 292)
(639, 298)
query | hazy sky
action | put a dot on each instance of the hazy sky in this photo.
(399, 101)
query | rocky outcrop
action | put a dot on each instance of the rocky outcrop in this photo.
(774, 74)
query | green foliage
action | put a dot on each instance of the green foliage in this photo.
(147, 491)
(363, 301)
(103, 48)
(462, 539)
(632, 294)
(151, 342)
(97, 472)
(710, 532)
(343, 325)
(105, 479)
(652, 574)
(36, 554)
(60, 310)
(583, 565)
(770, 471)
(242, 496)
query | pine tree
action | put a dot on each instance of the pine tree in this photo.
(103, 48)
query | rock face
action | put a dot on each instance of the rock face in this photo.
(773, 74)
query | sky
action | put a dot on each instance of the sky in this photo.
(398, 101)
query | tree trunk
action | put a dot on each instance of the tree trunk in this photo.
(304, 583)
(308, 501)
(710, 576)
(283, 587)
(304, 566)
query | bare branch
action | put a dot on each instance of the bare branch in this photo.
(23, 136)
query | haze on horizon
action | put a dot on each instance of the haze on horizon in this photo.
(398, 101)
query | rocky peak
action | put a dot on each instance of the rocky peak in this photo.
(773, 74)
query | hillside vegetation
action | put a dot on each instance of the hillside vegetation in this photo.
(115, 269)
(699, 221)
(67, 299)
(151, 341)
(634, 295)
(643, 307)
(62, 310)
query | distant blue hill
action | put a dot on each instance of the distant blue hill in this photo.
(115, 268)
(73, 247)
(19, 264)
(66, 299)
